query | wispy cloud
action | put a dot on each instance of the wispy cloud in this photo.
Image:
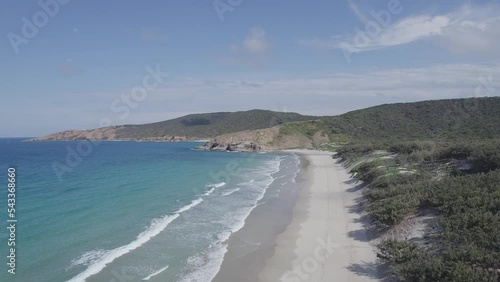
(333, 94)
(359, 14)
(256, 41)
(322, 95)
(469, 29)
(254, 50)
(473, 30)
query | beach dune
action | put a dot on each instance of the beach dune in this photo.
(327, 238)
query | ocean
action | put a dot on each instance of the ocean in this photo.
(130, 211)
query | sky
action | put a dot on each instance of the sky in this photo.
(74, 64)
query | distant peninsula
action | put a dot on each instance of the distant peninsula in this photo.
(262, 130)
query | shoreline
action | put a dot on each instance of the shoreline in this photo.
(323, 238)
(328, 232)
(254, 243)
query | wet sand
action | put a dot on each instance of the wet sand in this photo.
(322, 238)
(327, 236)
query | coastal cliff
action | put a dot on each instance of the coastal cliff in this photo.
(275, 138)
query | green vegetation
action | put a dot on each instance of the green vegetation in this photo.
(307, 128)
(466, 198)
(451, 121)
(413, 263)
(211, 124)
(441, 157)
(456, 119)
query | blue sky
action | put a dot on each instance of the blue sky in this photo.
(313, 57)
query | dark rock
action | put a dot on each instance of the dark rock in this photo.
(235, 147)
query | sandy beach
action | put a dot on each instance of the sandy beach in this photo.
(327, 238)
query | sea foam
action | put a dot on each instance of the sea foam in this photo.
(154, 273)
(157, 225)
(230, 192)
(205, 265)
(216, 185)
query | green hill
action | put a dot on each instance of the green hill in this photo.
(441, 119)
(190, 127)
(431, 172)
(454, 119)
(211, 124)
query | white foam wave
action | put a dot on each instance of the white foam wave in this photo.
(230, 192)
(87, 258)
(209, 192)
(213, 186)
(216, 185)
(248, 182)
(206, 265)
(190, 206)
(154, 274)
(157, 225)
(297, 164)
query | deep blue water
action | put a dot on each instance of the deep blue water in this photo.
(127, 211)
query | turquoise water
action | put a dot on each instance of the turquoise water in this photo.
(128, 211)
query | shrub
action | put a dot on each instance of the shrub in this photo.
(391, 211)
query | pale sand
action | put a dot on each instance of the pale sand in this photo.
(327, 210)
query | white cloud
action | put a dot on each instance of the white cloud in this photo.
(257, 41)
(478, 32)
(254, 50)
(408, 30)
(322, 95)
(333, 94)
(468, 30)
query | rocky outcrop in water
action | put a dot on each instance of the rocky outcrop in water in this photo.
(233, 147)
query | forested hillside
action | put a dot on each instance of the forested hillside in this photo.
(437, 160)
(211, 124)
(440, 121)
(190, 127)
